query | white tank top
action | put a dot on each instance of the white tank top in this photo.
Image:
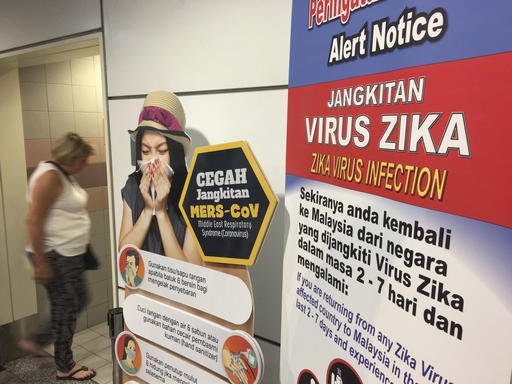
(67, 226)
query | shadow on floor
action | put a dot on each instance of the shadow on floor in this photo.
(33, 370)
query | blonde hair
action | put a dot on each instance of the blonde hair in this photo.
(70, 147)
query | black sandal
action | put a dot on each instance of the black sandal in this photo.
(72, 374)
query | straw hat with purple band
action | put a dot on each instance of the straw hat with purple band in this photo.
(162, 112)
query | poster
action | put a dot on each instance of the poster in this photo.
(182, 303)
(398, 256)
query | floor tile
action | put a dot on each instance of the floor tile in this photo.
(104, 375)
(101, 329)
(105, 354)
(84, 336)
(94, 362)
(80, 353)
(97, 344)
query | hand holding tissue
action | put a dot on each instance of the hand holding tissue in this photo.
(154, 165)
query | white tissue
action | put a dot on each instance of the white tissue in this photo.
(143, 164)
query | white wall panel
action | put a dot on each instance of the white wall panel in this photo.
(195, 45)
(25, 22)
(257, 117)
(260, 119)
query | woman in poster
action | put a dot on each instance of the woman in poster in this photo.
(151, 219)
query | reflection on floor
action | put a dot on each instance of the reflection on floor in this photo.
(91, 348)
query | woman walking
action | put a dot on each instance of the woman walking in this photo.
(58, 228)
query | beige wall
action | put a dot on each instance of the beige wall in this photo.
(18, 295)
(57, 98)
(5, 285)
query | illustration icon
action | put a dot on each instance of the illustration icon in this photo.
(241, 361)
(307, 377)
(341, 372)
(128, 353)
(131, 266)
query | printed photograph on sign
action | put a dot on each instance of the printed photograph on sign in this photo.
(151, 219)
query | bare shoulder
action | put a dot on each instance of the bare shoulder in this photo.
(48, 183)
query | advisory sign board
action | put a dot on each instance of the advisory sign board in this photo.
(227, 203)
(398, 257)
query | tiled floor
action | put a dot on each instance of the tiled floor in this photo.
(91, 347)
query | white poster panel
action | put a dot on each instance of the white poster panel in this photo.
(189, 284)
(383, 285)
(220, 349)
(224, 297)
(154, 364)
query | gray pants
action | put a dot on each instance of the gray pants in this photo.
(67, 294)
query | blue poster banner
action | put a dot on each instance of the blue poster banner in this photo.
(397, 34)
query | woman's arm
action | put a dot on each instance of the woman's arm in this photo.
(130, 233)
(170, 242)
(136, 233)
(190, 249)
(45, 191)
(172, 248)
